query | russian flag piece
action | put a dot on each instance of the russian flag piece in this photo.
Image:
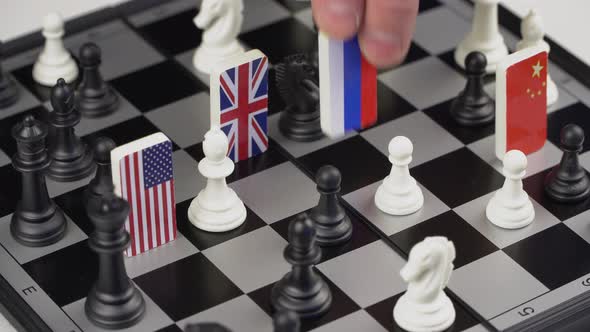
(348, 87)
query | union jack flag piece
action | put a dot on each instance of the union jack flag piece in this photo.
(239, 103)
(142, 173)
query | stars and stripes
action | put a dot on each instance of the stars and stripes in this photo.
(243, 98)
(147, 183)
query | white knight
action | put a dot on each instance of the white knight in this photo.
(425, 307)
(221, 22)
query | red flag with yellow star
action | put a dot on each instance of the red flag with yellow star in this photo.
(521, 102)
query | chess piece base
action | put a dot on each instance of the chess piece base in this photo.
(519, 214)
(100, 106)
(473, 115)
(221, 219)
(399, 203)
(115, 312)
(301, 127)
(494, 51)
(207, 56)
(431, 317)
(38, 229)
(8, 92)
(47, 75)
(308, 303)
(73, 170)
(332, 235)
(566, 191)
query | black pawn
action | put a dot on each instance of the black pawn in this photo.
(71, 158)
(102, 183)
(332, 224)
(37, 221)
(206, 327)
(8, 89)
(568, 181)
(302, 290)
(113, 302)
(473, 106)
(297, 82)
(94, 97)
(286, 321)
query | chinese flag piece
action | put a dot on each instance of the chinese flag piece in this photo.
(521, 102)
(239, 103)
(143, 176)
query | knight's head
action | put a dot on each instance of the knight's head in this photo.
(297, 81)
(531, 27)
(427, 255)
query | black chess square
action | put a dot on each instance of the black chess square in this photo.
(415, 53)
(128, 131)
(170, 328)
(555, 256)
(187, 286)
(469, 243)
(468, 175)
(467, 135)
(158, 85)
(243, 168)
(535, 187)
(383, 313)
(295, 5)
(361, 236)
(342, 305)
(390, 105)
(278, 40)
(366, 166)
(7, 143)
(65, 275)
(557, 120)
(428, 4)
(72, 203)
(9, 196)
(163, 34)
(202, 239)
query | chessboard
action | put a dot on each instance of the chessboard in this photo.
(502, 280)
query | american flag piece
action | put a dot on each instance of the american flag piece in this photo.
(239, 103)
(521, 101)
(142, 173)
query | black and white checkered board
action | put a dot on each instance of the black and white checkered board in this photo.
(501, 277)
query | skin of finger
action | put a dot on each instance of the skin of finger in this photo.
(386, 32)
(337, 24)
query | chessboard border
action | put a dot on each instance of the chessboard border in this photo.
(572, 313)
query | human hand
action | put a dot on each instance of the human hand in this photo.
(384, 27)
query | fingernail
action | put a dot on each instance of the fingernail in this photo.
(349, 10)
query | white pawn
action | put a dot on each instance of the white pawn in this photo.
(510, 207)
(484, 36)
(217, 208)
(55, 61)
(222, 22)
(399, 194)
(533, 32)
(425, 307)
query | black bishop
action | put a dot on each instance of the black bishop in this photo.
(8, 90)
(302, 290)
(568, 182)
(113, 302)
(94, 97)
(473, 106)
(37, 221)
(71, 158)
(102, 183)
(333, 225)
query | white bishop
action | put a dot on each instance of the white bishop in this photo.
(55, 61)
(511, 207)
(217, 208)
(533, 32)
(221, 21)
(399, 194)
